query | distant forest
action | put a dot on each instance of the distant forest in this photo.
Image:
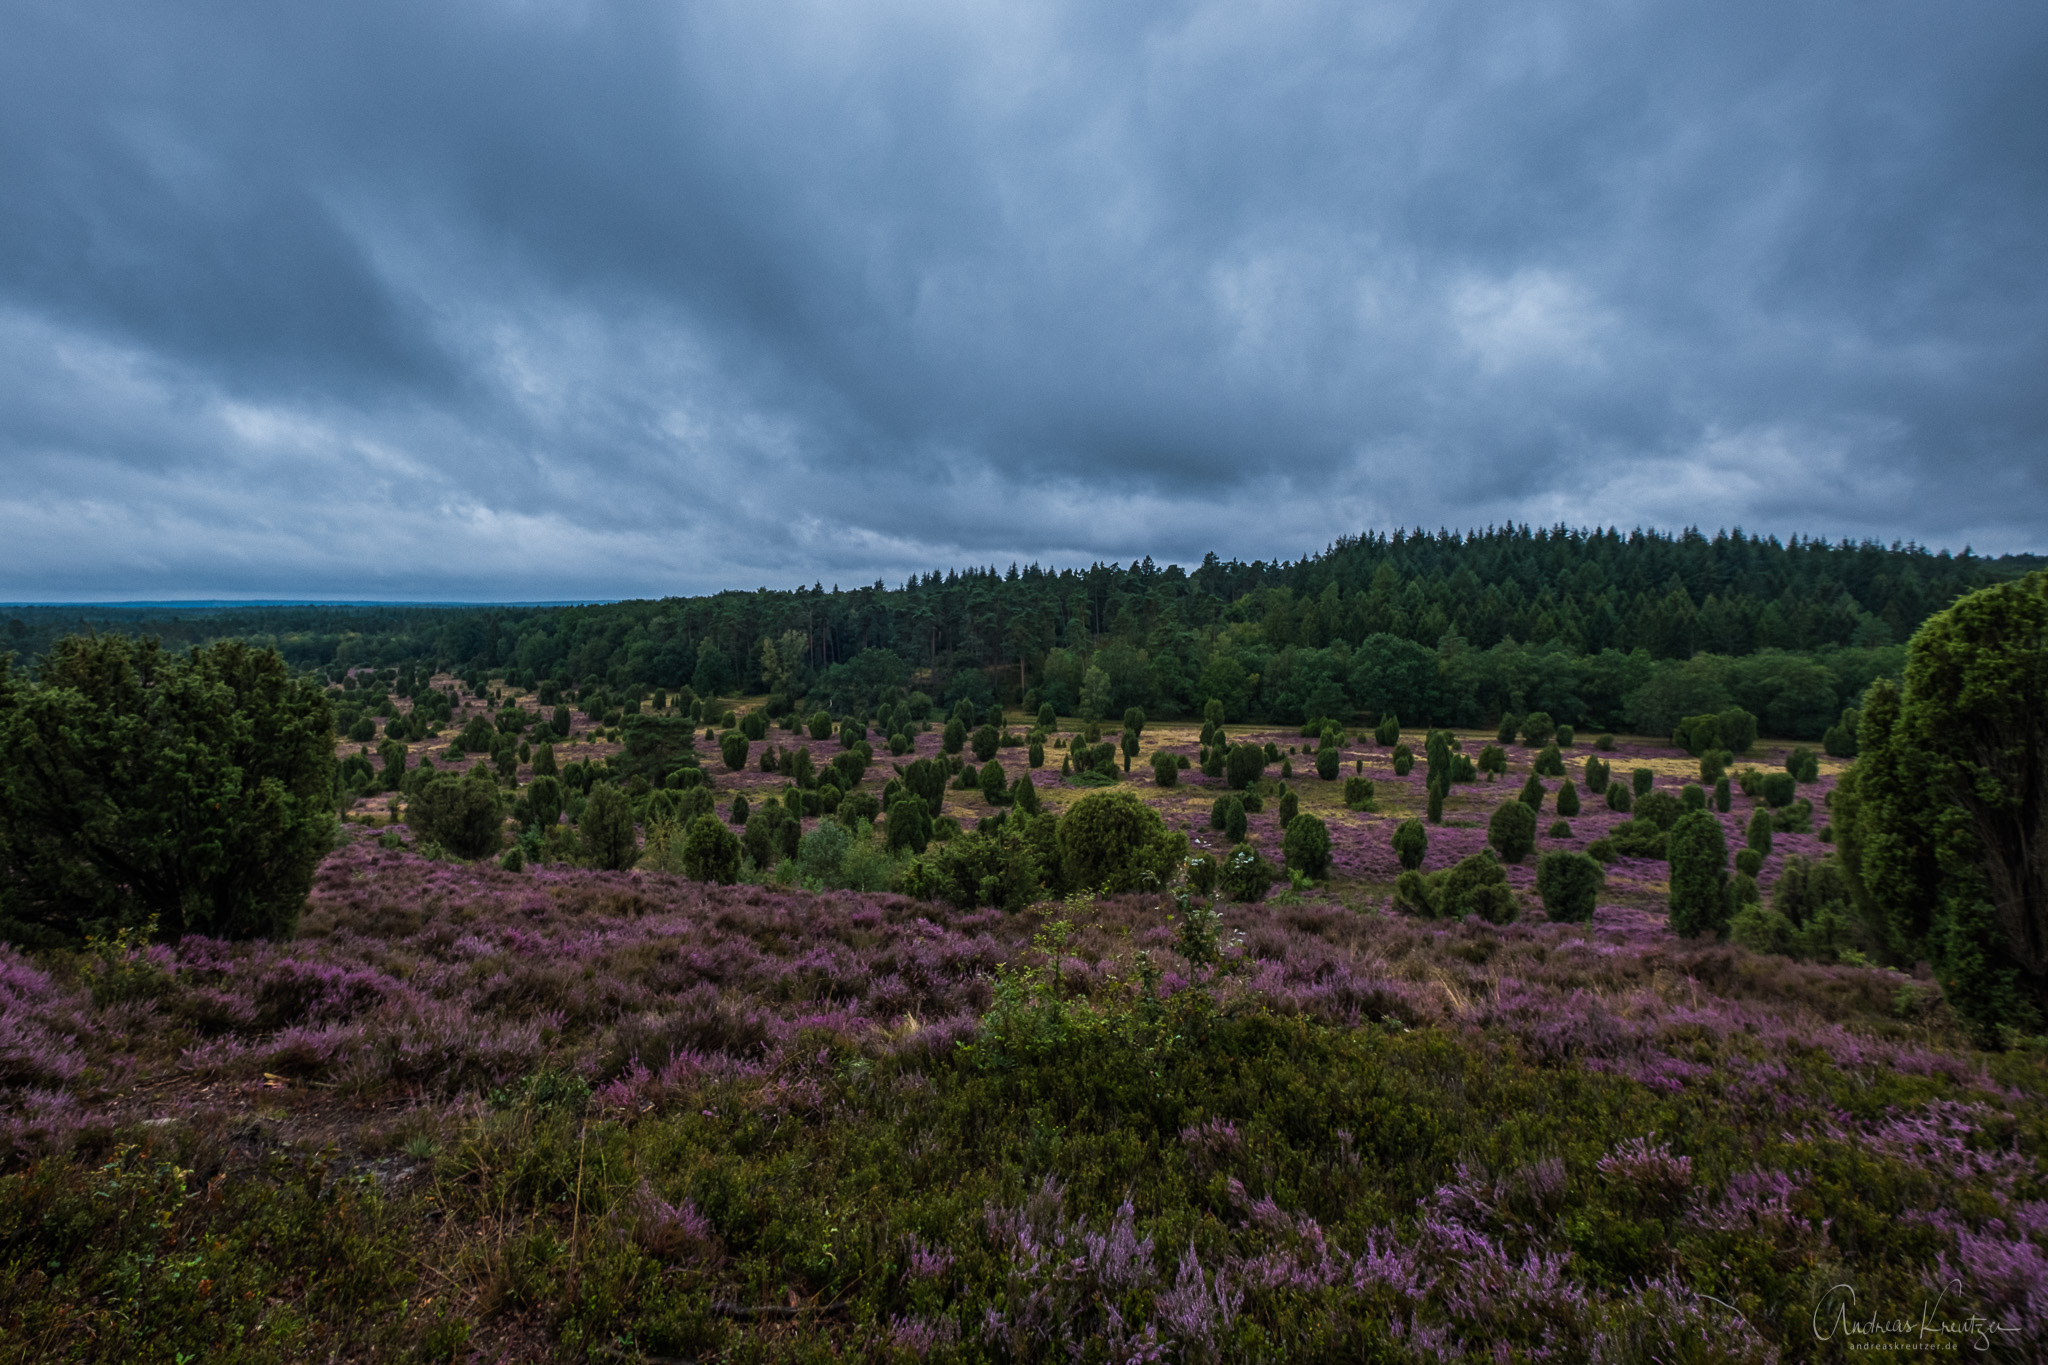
(1599, 628)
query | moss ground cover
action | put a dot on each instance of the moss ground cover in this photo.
(472, 1114)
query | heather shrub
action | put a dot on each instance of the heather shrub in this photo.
(1550, 762)
(1228, 815)
(1388, 732)
(1246, 876)
(606, 829)
(1358, 793)
(1110, 842)
(1509, 724)
(1532, 794)
(1411, 844)
(1306, 844)
(1778, 789)
(461, 814)
(1619, 798)
(1568, 799)
(1165, 768)
(732, 748)
(1329, 761)
(1699, 876)
(1569, 884)
(1538, 729)
(1512, 830)
(1404, 760)
(1661, 809)
(1643, 779)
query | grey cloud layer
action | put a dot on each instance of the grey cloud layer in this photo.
(537, 300)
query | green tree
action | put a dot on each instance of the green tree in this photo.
(136, 784)
(1538, 729)
(462, 814)
(1699, 876)
(1944, 829)
(606, 827)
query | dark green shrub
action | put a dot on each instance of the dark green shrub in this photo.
(543, 802)
(1643, 779)
(955, 737)
(736, 814)
(1358, 793)
(1201, 872)
(909, 825)
(1566, 736)
(1290, 806)
(560, 721)
(1538, 729)
(544, 764)
(1244, 766)
(1246, 876)
(1699, 876)
(1091, 733)
(711, 852)
(1560, 829)
(1839, 741)
(1024, 795)
(1227, 815)
(1698, 734)
(1724, 796)
(1035, 753)
(1713, 763)
(1165, 768)
(1638, 839)
(732, 748)
(1759, 832)
(1512, 830)
(1796, 818)
(820, 726)
(1619, 798)
(1569, 884)
(1404, 760)
(770, 835)
(1388, 732)
(994, 789)
(1477, 885)
(1306, 844)
(1509, 724)
(1047, 721)
(363, 731)
(1749, 862)
(968, 779)
(606, 829)
(985, 742)
(1329, 761)
(1596, 776)
(1738, 731)
(1604, 743)
(754, 725)
(462, 814)
(1661, 809)
(1803, 764)
(1532, 794)
(1111, 842)
(1550, 762)
(1568, 799)
(1414, 894)
(1692, 796)
(1433, 805)
(1778, 789)
(1493, 761)
(1411, 843)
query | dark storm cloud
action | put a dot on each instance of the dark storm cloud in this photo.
(544, 300)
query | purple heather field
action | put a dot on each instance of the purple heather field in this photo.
(415, 986)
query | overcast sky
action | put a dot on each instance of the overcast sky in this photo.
(552, 300)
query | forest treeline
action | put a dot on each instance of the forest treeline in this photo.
(1599, 628)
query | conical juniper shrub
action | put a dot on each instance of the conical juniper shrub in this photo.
(1568, 799)
(1388, 732)
(1306, 845)
(1532, 794)
(1404, 760)
(1758, 835)
(1643, 779)
(1329, 760)
(1596, 775)
(1509, 724)
(1724, 795)
(1569, 884)
(1512, 830)
(1618, 797)
(1699, 876)
(1434, 805)
(1411, 844)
